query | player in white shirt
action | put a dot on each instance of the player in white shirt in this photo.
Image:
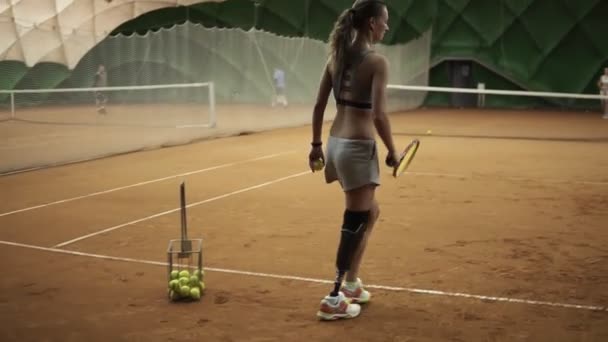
(279, 88)
(101, 80)
(602, 83)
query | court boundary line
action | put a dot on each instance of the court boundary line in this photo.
(212, 168)
(103, 192)
(510, 178)
(482, 298)
(508, 137)
(215, 198)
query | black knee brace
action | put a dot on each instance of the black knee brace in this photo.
(353, 229)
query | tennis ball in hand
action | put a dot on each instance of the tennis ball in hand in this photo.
(195, 293)
(318, 165)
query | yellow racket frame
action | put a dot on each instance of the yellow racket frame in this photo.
(406, 157)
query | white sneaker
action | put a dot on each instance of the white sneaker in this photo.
(333, 308)
(357, 295)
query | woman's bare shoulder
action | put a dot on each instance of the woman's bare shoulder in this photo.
(378, 61)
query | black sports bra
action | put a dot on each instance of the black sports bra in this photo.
(344, 80)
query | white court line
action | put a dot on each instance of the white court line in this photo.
(21, 171)
(35, 168)
(436, 174)
(550, 180)
(146, 182)
(323, 281)
(524, 179)
(431, 174)
(177, 209)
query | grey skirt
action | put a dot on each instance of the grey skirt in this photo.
(352, 162)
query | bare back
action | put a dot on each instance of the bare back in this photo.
(353, 94)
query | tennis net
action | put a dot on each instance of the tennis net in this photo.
(172, 105)
(500, 113)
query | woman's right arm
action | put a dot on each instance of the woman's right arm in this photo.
(316, 152)
(320, 105)
(383, 126)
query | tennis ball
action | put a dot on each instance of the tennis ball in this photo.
(199, 274)
(202, 286)
(194, 281)
(184, 273)
(195, 293)
(184, 281)
(174, 284)
(318, 165)
(174, 274)
(184, 290)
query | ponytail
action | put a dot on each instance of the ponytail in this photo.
(342, 35)
(340, 39)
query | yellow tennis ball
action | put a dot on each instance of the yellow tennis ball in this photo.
(184, 281)
(200, 274)
(174, 284)
(184, 273)
(174, 274)
(184, 291)
(195, 293)
(202, 286)
(193, 281)
(318, 165)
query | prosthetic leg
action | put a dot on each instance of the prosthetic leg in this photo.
(353, 230)
(336, 305)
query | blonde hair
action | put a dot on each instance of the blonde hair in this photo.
(349, 21)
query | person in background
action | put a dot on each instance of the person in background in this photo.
(101, 80)
(279, 88)
(602, 83)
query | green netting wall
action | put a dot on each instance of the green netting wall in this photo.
(309, 18)
(440, 77)
(540, 45)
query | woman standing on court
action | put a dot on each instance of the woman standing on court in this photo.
(358, 76)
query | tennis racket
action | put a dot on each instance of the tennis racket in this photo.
(406, 158)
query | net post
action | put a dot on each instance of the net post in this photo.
(481, 97)
(212, 114)
(12, 105)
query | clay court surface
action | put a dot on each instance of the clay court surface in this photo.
(498, 232)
